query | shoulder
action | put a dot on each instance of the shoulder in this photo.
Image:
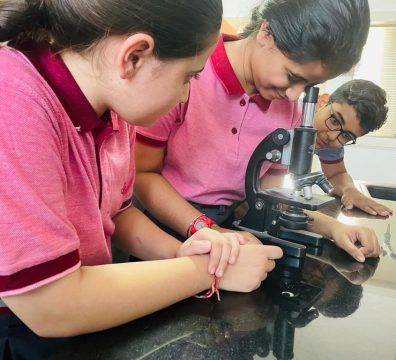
(331, 155)
(18, 74)
(24, 93)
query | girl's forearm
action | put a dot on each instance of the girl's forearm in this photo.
(95, 298)
(322, 224)
(136, 234)
(161, 199)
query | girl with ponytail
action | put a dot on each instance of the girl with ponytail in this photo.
(75, 78)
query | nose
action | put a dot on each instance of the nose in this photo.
(185, 94)
(294, 91)
(332, 135)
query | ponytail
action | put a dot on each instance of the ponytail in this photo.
(22, 18)
(180, 28)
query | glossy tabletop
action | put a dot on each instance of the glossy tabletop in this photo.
(348, 311)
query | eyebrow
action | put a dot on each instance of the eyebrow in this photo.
(298, 77)
(341, 119)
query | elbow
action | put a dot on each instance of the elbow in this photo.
(47, 311)
(45, 330)
(46, 321)
(51, 327)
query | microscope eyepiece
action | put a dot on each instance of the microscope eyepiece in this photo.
(311, 94)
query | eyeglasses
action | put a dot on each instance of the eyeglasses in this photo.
(333, 124)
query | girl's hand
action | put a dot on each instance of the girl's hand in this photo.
(251, 268)
(246, 237)
(358, 241)
(223, 248)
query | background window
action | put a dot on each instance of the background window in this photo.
(378, 64)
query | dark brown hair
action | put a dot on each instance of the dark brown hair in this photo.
(368, 100)
(331, 31)
(180, 28)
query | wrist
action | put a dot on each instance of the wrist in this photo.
(209, 282)
(198, 223)
(322, 224)
(171, 246)
(350, 188)
(335, 228)
(216, 227)
(201, 263)
(212, 291)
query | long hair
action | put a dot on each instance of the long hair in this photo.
(331, 31)
(180, 28)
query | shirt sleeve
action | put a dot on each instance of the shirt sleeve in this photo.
(38, 243)
(158, 134)
(330, 156)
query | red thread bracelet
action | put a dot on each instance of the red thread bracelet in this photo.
(214, 289)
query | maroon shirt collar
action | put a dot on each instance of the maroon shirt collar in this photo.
(54, 71)
(225, 73)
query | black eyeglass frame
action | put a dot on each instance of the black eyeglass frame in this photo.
(339, 128)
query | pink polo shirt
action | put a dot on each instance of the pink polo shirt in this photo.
(211, 138)
(64, 172)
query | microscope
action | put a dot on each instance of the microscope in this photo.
(276, 215)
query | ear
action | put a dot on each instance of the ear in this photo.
(132, 53)
(323, 100)
(264, 36)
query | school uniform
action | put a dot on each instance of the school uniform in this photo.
(210, 138)
(60, 182)
(330, 155)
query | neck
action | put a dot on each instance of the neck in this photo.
(239, 54)
(89, 82)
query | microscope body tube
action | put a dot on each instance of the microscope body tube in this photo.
(305, 136)
(308, 111)
(302, 150)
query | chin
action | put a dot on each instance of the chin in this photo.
(145, 122)
(267, 97)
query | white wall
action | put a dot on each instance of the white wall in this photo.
(373, 160)
(238, 8)
(381, 5)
